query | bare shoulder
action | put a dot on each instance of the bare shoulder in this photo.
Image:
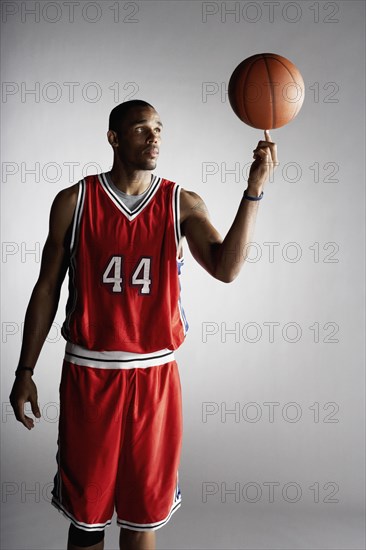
(68, 195)
(66, 199)
(191, 203)
(56, 251)
(62, 211)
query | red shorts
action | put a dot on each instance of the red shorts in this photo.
(119, 441)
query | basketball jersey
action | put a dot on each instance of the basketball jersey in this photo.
(124, 271)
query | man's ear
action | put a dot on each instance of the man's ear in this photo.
(112, 138)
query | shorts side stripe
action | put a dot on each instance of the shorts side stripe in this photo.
(176, 503)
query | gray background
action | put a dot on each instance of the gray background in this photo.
(171, 54)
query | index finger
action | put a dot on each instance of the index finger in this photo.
(273, 148)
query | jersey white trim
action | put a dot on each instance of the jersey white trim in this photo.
(130, 214)
(176, 216)
(116, 359)
(178, 239)
(72, 299)
(77, 216)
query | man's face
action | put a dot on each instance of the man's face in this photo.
(139, 138)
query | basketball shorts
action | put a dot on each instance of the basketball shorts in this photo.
(119, 439)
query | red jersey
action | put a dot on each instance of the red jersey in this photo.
(124, 288)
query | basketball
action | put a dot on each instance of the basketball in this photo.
(266, 91)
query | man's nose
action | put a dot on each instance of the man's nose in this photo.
(152, 137)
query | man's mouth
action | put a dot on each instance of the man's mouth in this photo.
(152, 151)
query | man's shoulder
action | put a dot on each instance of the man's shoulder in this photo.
(66, 200)
(188, 198)
(69, 193)
(184, 193)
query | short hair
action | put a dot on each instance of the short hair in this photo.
(119, 112)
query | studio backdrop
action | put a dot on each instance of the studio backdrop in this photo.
(272, 368)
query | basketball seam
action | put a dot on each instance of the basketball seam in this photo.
(271, 92)
(244, 85)
(293, 79)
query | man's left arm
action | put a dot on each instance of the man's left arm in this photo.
(224, 258)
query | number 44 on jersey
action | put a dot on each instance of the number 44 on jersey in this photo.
(140, 275)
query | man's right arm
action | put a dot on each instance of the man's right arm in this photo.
(44, 300)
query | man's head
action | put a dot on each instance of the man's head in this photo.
(135, 134)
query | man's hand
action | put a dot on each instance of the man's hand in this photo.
(262, 168)
(24, 390)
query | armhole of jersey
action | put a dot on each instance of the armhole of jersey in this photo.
(176, 217)
(77, 217)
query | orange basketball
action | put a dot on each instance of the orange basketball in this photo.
(266, 91)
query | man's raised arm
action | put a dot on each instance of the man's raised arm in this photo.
(224, 258)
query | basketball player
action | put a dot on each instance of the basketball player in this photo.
(120, 236)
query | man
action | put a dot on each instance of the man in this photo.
(120, 236)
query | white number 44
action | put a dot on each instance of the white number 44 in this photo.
(140, 276)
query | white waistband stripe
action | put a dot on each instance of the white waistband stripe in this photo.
(116, 359)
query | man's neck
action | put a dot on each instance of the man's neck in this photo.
(133, 183)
